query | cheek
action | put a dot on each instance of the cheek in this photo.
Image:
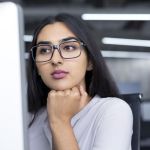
(42, 70)
(45, 75)
(79, 68)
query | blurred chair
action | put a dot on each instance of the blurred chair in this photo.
(134, 101)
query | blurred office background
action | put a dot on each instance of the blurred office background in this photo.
(125, 43)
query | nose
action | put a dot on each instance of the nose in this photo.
(56, 58)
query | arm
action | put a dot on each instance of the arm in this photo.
(62, 106)
(115, 130)
(63, 136)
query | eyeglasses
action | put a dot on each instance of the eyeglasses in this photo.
(67, 50)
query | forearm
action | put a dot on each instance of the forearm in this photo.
(63, 137)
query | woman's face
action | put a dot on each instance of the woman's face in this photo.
(60, 73)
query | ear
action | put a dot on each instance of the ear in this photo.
(90, 66)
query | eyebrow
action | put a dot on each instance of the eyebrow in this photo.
(62, 40)
(69, 39)
(44, 42)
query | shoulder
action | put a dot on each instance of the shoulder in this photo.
(113, 123)
(111, 102)
(112, 107)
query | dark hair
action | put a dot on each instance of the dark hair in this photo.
(98, 81)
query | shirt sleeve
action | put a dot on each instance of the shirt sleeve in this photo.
(114, 131)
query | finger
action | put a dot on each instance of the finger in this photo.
(84, 97)
(52, 93)
(82, 91)
(75, 91)
(50, 97)
(67, 92)
(60, 93)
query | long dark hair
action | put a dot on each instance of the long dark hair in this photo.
(98, 80)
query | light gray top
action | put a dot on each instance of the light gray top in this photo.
(103, 124)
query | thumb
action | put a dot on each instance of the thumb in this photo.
(84, 97)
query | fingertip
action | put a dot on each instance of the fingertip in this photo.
(82, 90)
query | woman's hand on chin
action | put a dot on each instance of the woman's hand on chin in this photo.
(63, 105)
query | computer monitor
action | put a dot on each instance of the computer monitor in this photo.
(13, 103)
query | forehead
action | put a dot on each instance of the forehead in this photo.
(55, 32)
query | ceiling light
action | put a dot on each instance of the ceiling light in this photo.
(119, 17)
(126, 42)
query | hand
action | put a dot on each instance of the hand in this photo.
(63, 105)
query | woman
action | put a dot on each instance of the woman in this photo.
(72, 98)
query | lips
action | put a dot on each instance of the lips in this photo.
(59, 74)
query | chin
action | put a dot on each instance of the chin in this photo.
(61, 88)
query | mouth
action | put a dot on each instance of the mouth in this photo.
(59, 74)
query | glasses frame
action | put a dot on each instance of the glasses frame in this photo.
(56, 47)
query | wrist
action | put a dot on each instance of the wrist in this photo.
(57, 124)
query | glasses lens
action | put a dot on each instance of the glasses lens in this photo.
(70, 49)
(42, 53)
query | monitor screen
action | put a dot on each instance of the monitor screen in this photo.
(13, 108)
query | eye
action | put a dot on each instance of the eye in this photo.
(69, 46)
(42, 49)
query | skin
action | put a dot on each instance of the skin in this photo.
(67, 96)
